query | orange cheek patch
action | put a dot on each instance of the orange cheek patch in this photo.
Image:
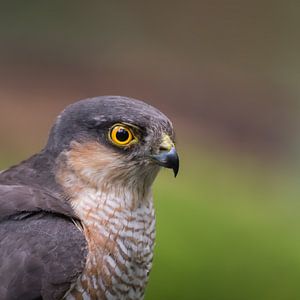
(82, 164)
(90, 156)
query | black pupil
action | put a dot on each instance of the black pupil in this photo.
(122, 135)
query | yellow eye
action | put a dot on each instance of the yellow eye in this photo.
(121, 135)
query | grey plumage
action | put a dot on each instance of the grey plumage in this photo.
(41, 255)
(36, 236)
(91, 118)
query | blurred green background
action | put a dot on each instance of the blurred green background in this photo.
(226, 73)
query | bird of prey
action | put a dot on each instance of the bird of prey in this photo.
(77, 219)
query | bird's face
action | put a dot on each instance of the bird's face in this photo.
(114, 140)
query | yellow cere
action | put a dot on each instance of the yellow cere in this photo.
(166, 142)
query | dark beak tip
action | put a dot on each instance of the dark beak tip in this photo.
(175, 173)
(176, 168)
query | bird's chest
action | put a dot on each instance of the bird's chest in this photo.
(120, 242)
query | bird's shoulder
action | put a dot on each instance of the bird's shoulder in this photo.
(17, 199)
(42, 251)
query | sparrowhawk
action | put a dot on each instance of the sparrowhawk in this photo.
(77, 219)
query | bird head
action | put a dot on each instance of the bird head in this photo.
(113, 139)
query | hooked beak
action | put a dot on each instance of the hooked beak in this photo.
(168, 159)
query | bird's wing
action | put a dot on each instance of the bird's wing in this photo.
(42, 252)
